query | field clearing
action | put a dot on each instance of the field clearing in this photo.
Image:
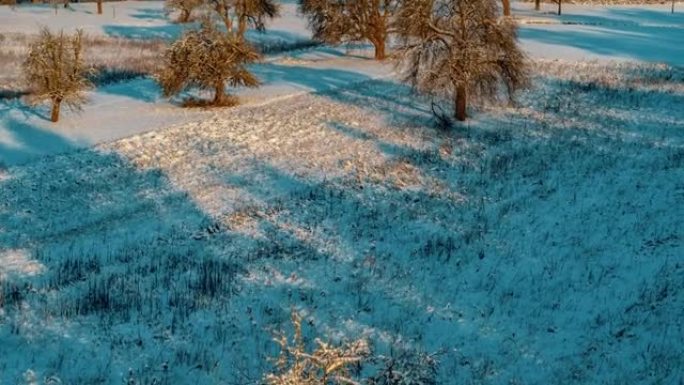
(539, 243)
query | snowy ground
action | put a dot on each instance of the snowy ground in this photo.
(642, 33)
(548, 238)
(645, 33)
(541, 243)
(123, 109)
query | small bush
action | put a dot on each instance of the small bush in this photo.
(54, 70)
(327, 364)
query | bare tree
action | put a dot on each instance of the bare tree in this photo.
(206, 58)
(458, 48)
(185, 7)
(238, 15)
(339, 21)
(254, 13)
(223, 9)
(54, 70)
(99, 7)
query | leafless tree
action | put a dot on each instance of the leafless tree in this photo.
(54, 70)
(339, 21)
(238, 15)
(459, 48)
(185, 7)
(207, 58)
(99, 7)
(223, 9)
(254, 13)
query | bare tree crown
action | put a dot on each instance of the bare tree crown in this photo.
(457, 48)
(207, 58)
(340, 21)
(54, 70)
(238, 15)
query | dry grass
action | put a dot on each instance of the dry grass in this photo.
(115, 59)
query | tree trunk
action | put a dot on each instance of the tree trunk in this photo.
(242, 27)
(537, 5)
(220, 94)
(66, 3)
(99, 7)
(460, 103)
(223, 13)
(506, 7)
(378, 34)
(560, 2)
(673, 1)
(184, 16)
(56, 105)
(380, 53)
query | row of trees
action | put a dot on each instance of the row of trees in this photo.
(454, 49)
(237, 15)
(446, 48)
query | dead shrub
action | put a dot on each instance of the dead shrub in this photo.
(327, 364)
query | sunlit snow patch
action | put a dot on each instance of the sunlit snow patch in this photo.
(18, 262)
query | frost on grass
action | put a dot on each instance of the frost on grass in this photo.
(540, 243)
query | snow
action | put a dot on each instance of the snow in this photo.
(646, 33)
(549, 242)
(541, 242)
(128, 108)
(132, 19)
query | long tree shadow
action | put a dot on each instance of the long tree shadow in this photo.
(142, 88)
(150, 14)
(133, 264)
(178, 285)
(638, 34)
(21, 141)
(99, 250)
(164, 32)
(313, 79)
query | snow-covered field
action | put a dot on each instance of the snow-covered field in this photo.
(644, 33)
(625, 33)
(540, 243)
